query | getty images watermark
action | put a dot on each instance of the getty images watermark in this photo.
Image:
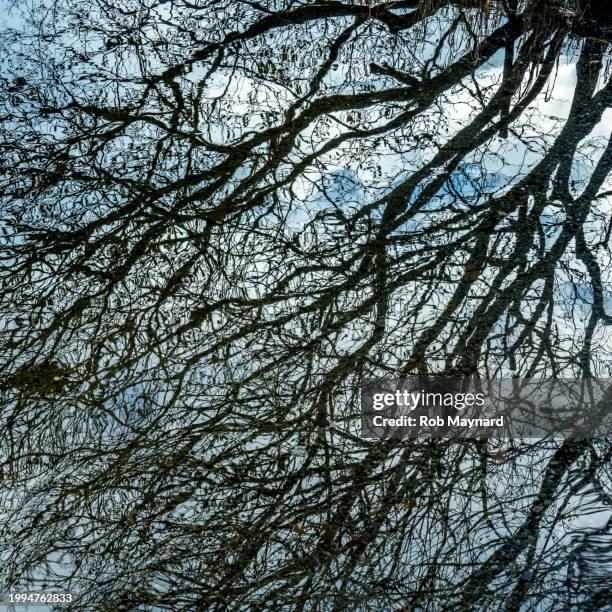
(475, 408)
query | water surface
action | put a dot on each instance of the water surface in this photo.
(217, 219)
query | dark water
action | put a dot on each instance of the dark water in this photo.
(217, 218)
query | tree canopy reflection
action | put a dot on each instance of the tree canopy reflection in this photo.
(218, 218)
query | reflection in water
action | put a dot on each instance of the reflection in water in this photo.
(217, 218)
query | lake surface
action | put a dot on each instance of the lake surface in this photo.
(218, 219)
